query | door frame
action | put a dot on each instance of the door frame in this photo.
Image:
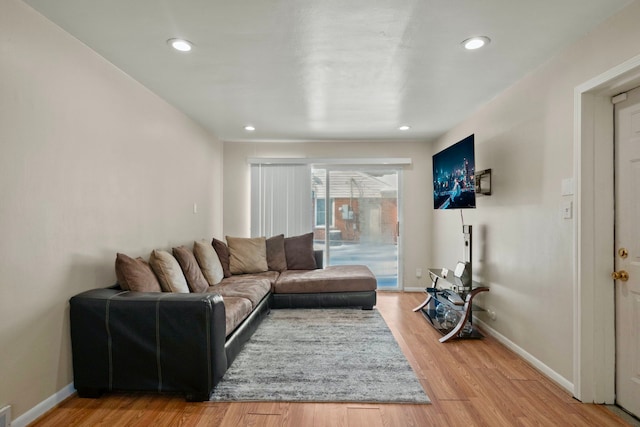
(593, 288)
(374, 166)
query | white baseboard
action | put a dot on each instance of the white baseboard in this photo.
(41, 408)
(553, 375)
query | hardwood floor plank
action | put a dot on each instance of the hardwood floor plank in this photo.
(235, 414)
(205, 414)
(458, 413)
(330, 415)
(498, 400)
(299, 414)
(260, 420)
(409, 415)
(364, 417)
(470, 383)
(595, 417)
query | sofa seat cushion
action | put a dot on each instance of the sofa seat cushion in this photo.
(236, 310)
(271, 276)
(338, 278)
(252, 289)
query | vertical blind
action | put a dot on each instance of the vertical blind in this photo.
(281, 201)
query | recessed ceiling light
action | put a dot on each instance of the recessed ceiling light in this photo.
(476, 42)
(249, 128)
(180, 44)
(404, 127)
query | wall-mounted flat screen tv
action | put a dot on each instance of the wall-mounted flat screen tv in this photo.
(453, 176)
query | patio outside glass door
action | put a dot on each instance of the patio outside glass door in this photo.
(356, 219)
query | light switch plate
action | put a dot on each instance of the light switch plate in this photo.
(567, 187)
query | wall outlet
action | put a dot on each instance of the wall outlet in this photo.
(195, 208)
(492, 314)
(418, 273)
(5, 416)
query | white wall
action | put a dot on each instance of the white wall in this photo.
(523, 247)
(418, 207)
(91, 163)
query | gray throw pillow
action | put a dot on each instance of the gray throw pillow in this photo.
(136, 275)
(276, 258)
(191, 269)
(222, 250)
(299, 252)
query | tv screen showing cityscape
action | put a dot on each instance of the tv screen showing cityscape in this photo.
(453, 176)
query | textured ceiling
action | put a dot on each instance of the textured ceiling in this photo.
(313, 70)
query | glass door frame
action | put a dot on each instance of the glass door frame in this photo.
(329, 167)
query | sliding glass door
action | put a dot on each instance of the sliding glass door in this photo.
(356, 221)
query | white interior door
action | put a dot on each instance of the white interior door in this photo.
(627, 226)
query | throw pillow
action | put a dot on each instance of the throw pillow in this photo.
(223, 253)
(169, 272)
(135, 275)
(276, 259)
(209, 262)
(247, 255)
(191, 269)
(299, 252)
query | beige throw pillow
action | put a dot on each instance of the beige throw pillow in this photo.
(247, 255)
(209, 262)
(169, 272)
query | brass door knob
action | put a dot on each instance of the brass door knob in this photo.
(620, 275)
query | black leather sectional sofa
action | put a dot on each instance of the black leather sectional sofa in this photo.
(184, 342)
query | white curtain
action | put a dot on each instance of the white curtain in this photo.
(280, 199)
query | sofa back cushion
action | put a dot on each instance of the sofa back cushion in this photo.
(222, 250)
(276, 258)
(299, 252)
(209, 262)
(135, 275)
(247, 255)
(168, 272)
(191, 269)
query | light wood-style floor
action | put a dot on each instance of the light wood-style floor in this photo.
(470, 383)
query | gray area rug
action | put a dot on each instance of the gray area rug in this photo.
(321, 355)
